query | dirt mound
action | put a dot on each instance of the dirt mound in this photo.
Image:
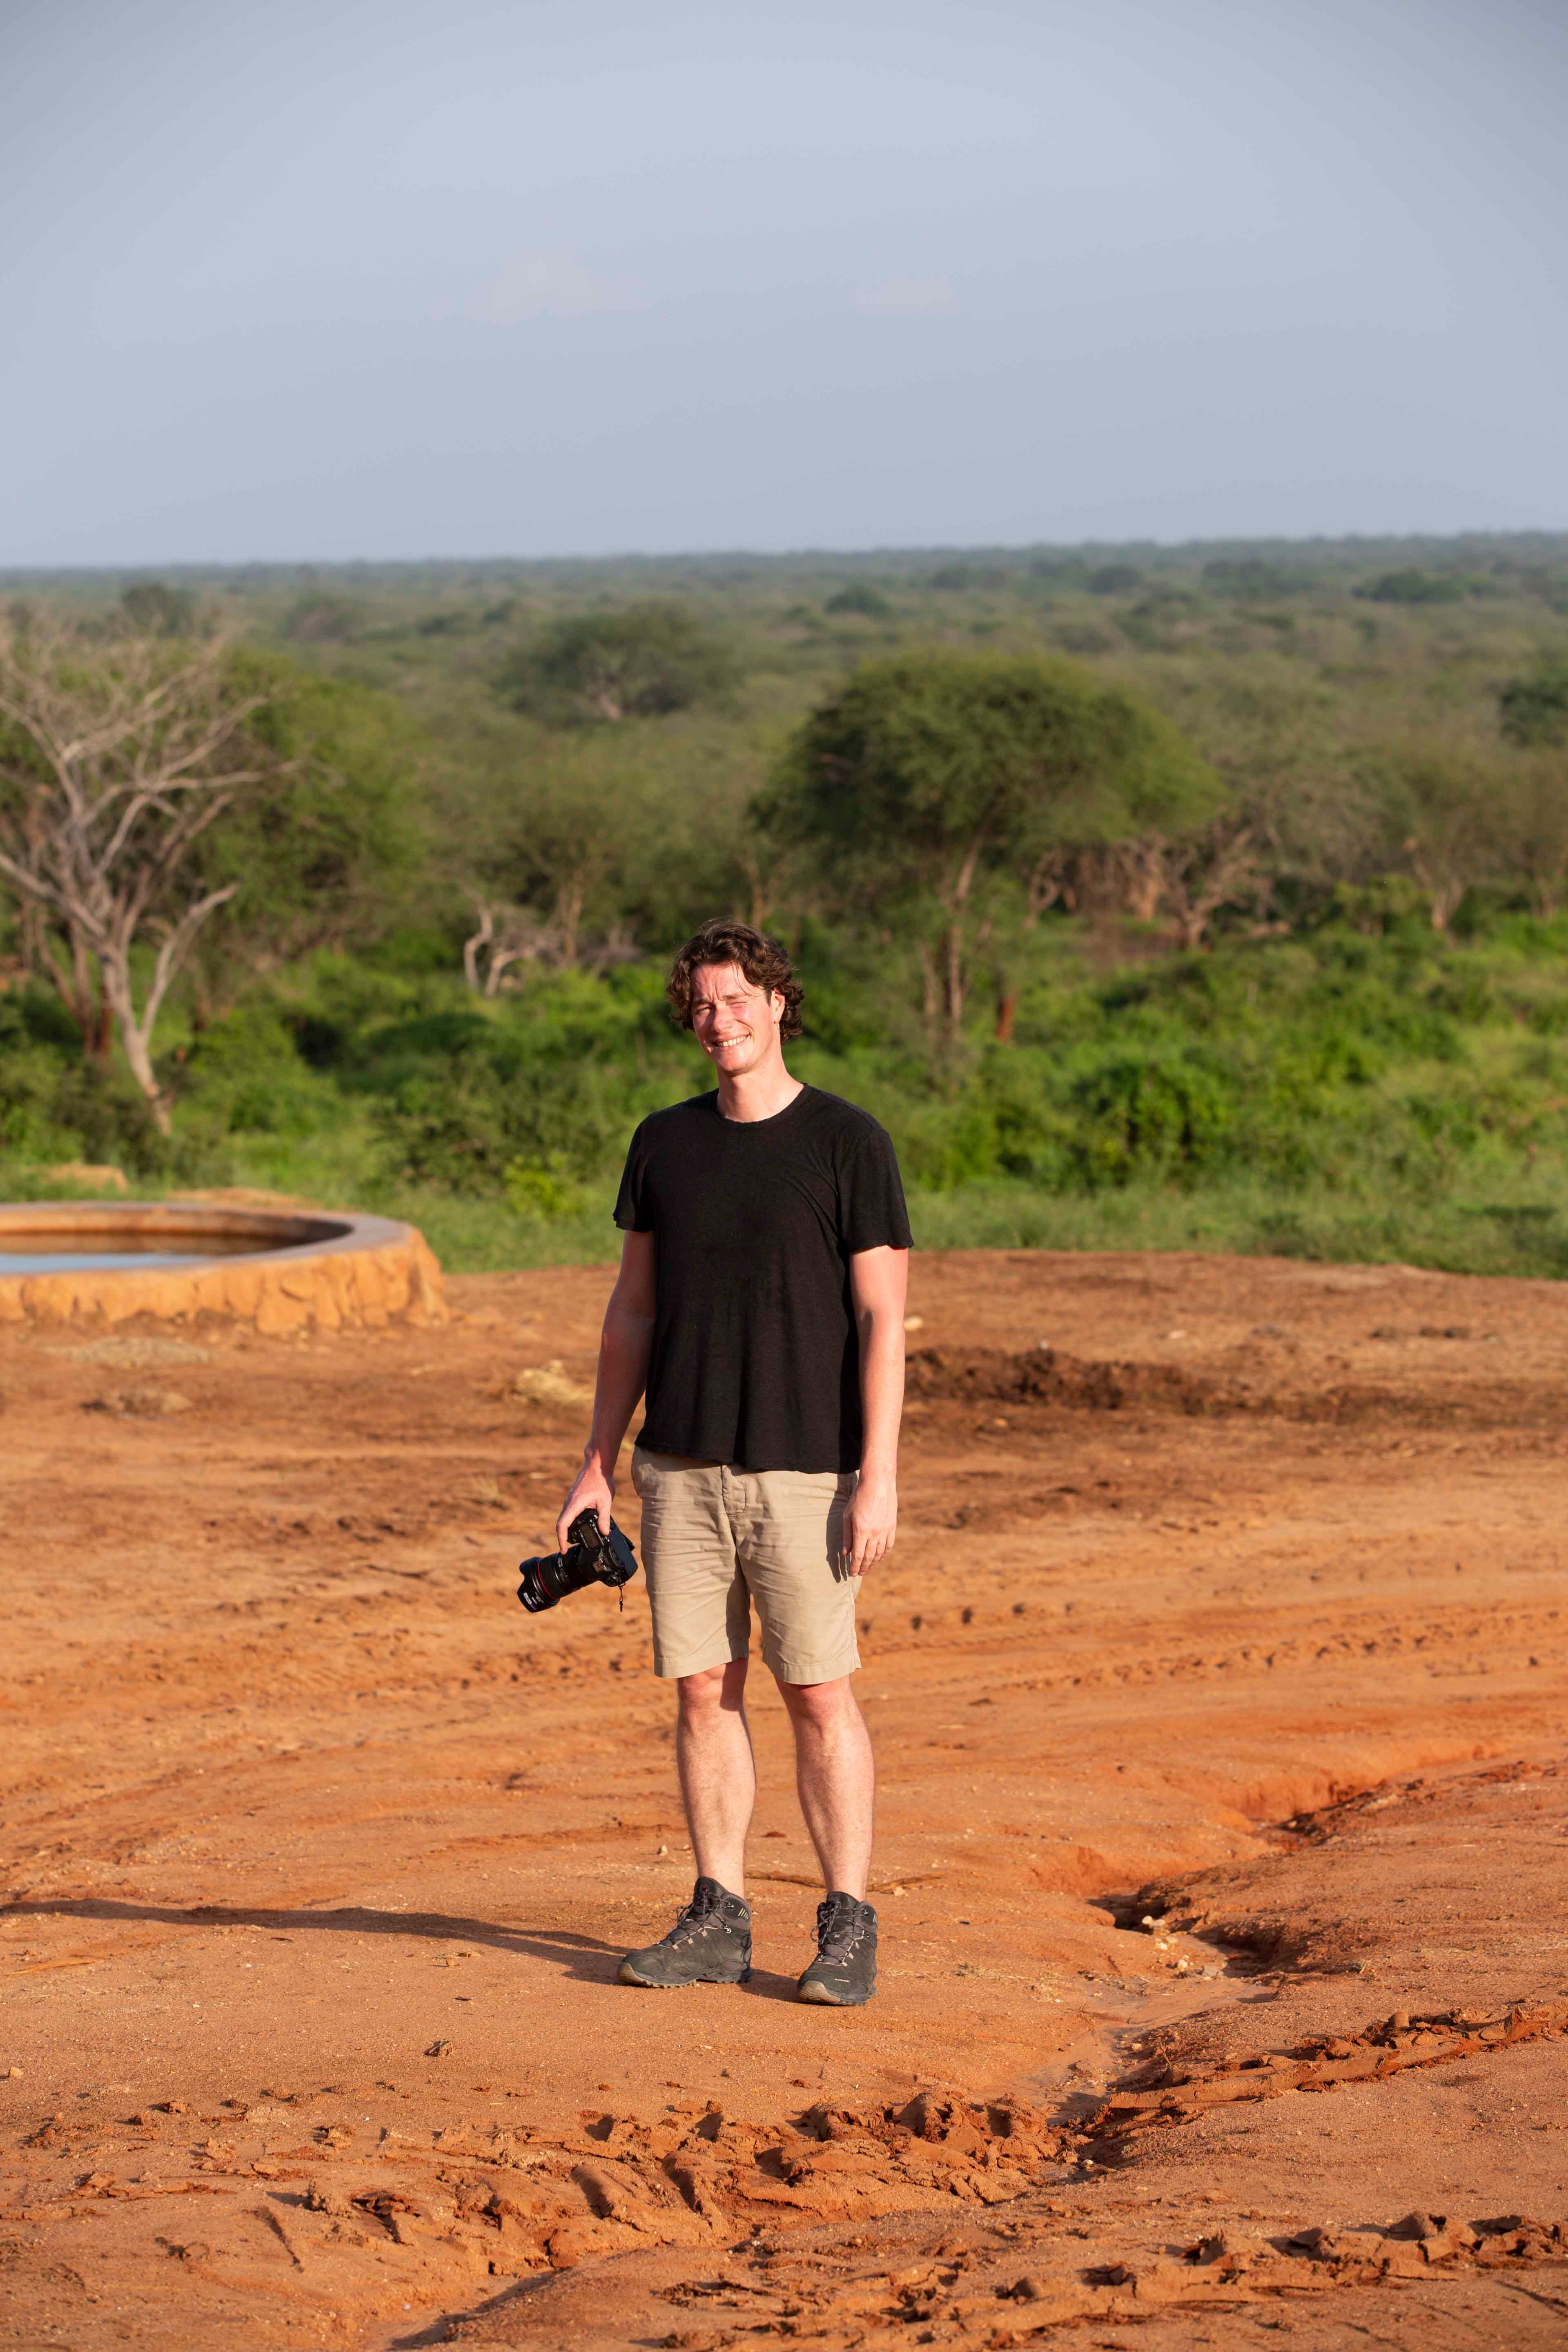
(1044, 1375)
(139, 1404)
(1167, 2092)
(547, 1384)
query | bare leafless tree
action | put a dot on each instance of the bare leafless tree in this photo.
(115, 757)
(1218, 866)
(505, 934)
(1053, 878)
(1187, 877)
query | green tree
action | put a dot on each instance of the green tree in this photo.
(926, 776)
(573, 846)
(154, 609)
(322, 619)
(1533, 710)
(1253, 579)
(643, 661)
(323, 851)
(1445, 801)
(1112, 579)
(564, 843)
(1413, 587)
(859, 597)
(1535, 827)
(1314, 818)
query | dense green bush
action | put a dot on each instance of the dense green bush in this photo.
(1338, 1093)
(539, 1096)
(57, 1104)
(245, 1075)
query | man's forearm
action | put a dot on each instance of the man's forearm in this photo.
(625, 1348)
(881, 1393)
(624, 1352)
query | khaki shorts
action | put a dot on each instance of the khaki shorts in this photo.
(715, 1538)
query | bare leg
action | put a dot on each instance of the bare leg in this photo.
(836, 1780)
(718, 1776)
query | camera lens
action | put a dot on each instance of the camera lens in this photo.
(550, 1577)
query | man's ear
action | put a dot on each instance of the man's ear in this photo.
(776, 1001)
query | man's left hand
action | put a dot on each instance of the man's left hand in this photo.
(871, 1521)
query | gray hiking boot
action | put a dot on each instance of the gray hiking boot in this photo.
(710, 1942)
(844, 1973)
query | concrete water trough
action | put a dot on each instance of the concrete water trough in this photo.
(102, 1263)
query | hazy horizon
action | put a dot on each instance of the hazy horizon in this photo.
(347, 285)
(1376, 546)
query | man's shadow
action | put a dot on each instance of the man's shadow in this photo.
(587, 1959)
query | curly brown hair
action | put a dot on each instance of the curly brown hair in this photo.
(762, 961)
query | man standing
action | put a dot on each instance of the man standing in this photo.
(760, 1305)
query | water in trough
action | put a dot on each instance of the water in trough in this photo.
(61, 1253)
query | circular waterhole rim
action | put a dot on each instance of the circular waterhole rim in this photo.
(322, 1267)
(279, 1234)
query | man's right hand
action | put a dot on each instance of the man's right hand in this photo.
(591, 1491)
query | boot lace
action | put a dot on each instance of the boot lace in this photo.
(692, 1920)
(839, 1928)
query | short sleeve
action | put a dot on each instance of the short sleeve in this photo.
(632, 1207)
(871, 1211)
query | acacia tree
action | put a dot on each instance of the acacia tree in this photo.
(580, 843)
(925, 776)
(1444, 802)
(642, 662)
(115, 760)
(536, 845)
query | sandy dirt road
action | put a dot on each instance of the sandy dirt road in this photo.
(1217, 1686)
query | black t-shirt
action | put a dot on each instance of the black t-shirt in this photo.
(756, 1359)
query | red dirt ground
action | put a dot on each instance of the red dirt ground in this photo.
(1217, 1688)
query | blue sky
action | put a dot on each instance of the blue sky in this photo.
(337, 279)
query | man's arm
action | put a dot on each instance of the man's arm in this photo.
(879, 1282)
(624, 1348)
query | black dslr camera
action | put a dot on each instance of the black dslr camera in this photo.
(591, 1558)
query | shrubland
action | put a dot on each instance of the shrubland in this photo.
(1209, 898)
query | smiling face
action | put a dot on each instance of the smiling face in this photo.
(736, 1022)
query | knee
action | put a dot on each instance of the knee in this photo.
(701, 1696)
(820, 1706)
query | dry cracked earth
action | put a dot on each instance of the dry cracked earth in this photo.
(1217, 1688)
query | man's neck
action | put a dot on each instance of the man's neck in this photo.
(757, 1094)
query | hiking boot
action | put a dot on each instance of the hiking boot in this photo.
(710, 1942)
(844, 1973)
